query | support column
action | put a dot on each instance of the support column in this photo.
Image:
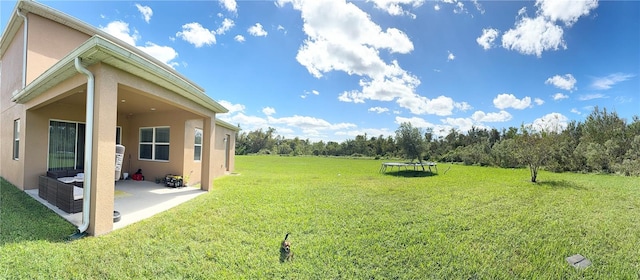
(103, 155)
(208, 146)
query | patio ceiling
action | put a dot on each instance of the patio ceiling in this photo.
(129, 101)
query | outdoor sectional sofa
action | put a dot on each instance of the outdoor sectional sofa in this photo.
(66, 196)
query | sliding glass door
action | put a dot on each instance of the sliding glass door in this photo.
(66, 145)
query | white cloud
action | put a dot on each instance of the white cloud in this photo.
(233, 108)
(438, 129)
(565, 11)
(450, 57)
(239, 38)
(396, 7)
(459, 8)
(503, 101)
(462, 106)
(566, 82)
(268, 111)
(281, 28)
(559, 96)
(145, 11)
(441, 105)
(415, 121)
(604, 83)
(378, 110)
(306, 122)
(478, 6)
(538, 101)
(197, 35)
(247, 123)
(226, 25)
(553, 122)
(487, 38)
(342, 37)
(257, 30)
(533, 36)
(229, 5)
(575, 111)
(120, 30)
(591, 96)
(436, 7)
(293, 126)
(463, 124)
(352, 133)
(480, 116)
(163, 53)
(623, 99)
(306, 93)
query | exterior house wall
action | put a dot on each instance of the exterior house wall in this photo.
(223, 150)
(11, 79)
(48, 42)
(192, 169)
(157, 169)
(178, 121)
(10, 82)
(39, 111)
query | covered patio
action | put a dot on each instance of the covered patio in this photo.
(135, 200)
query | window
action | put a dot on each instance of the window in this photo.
(16, 139)
(154, 143)
(197, 147)
(66, 145)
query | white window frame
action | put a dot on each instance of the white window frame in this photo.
(75, 152)
(153, 143)
(197, 156)
(16, 139)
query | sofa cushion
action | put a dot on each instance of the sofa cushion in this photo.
(78, 193)
(56, 173)
(64, 173)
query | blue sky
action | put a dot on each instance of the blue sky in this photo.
(331, 70)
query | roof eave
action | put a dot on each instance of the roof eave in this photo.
(227, 125)
(98, 49)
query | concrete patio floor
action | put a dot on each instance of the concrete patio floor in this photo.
(135, 200)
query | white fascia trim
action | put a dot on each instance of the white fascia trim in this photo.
(227, 125)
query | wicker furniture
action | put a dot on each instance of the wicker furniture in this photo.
(59, 193)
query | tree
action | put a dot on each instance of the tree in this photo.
(534, 149)
(410, 140)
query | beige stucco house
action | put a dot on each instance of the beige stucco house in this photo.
(70, 92)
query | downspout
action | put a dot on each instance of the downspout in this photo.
(88, 149)
(24, 48)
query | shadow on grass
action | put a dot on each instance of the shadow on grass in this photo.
(25, 219)
(561, 184)
(410, 173)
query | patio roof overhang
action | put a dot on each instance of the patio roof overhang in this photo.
(99, 49)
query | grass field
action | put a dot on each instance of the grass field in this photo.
(347, 221)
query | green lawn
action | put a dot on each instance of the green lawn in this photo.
(348, 221)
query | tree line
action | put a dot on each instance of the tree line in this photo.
(604, 142)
